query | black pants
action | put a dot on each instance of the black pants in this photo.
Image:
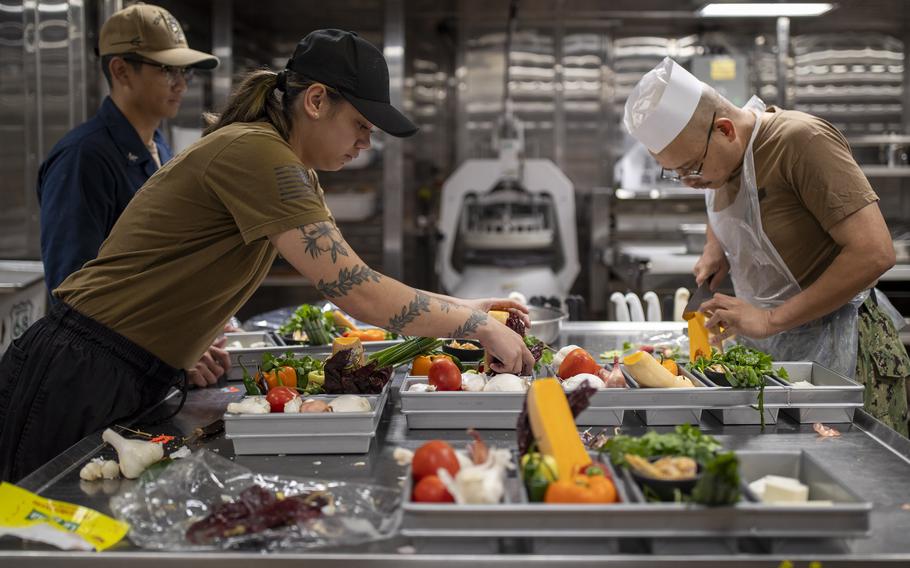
(66, 377)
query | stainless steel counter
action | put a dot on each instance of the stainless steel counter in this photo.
(869, 457)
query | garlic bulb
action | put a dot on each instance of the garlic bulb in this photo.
(91, 471)
(293, 406)
(250, 405)
(110, 470)
(472, 382)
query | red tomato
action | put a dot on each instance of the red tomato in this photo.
(431, 490)
(444, 375)
(576, 362)
(278, 396)
(431, 456)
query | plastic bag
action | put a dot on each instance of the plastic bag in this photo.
(160, 511)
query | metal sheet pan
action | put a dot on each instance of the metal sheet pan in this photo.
(514, 517)
(848, 516)
(830, 387)
(481, 410)
(308, 423)
(271, 444)
(252, 356)
(324, 433)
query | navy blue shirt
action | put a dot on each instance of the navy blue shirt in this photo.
(85, 184)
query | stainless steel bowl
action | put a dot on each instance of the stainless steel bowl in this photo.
(546, 323)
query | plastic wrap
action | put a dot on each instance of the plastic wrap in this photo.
(160, 511)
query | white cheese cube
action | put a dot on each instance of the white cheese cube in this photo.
(784, 490)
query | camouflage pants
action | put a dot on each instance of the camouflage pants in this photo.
(882, 366)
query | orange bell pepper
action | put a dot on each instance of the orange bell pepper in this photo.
(373, 334)
(280, 377)
(582, 489)
(670, 365)
(420, 366)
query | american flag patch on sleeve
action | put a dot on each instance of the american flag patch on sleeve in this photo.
(293, 182)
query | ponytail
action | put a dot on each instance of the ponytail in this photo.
(258, 99)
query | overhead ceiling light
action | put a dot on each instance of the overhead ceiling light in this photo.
(763, 9)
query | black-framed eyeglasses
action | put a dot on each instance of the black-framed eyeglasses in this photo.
(173, 73)
(676, 176)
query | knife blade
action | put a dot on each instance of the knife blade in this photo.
(700, 296)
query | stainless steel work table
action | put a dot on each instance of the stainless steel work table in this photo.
(868, 457)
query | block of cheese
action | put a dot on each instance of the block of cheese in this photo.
(778, 489)
(645, 369)
(554, 427)
(698, 336)
(500, 315)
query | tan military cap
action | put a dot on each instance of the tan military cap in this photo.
(153, 33)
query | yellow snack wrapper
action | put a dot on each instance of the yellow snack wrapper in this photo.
(64, 525)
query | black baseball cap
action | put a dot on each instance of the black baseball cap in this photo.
(356, 69)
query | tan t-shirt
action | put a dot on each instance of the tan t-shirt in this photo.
(807, 181)
(192, 245)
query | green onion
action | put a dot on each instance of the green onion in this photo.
(404, 352)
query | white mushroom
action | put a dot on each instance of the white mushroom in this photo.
(506, 382)
(350, 403)
(573, 383)
(421, 387)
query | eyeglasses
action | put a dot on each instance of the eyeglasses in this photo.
(675, 176)
(173, 73)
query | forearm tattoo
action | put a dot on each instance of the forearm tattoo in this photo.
(420, 304)
(347, 279)
(474, 321)
(321, 238)
(445, 305)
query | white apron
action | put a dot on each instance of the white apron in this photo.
(761, 277)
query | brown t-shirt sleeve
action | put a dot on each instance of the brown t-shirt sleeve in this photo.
(825, 176)
(264, 186)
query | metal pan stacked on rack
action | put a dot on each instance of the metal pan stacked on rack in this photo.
(306, 433)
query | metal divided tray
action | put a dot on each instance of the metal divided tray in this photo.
(459, 409)
(323, 433)
(848, 516)
(252, 356)
(834, 399)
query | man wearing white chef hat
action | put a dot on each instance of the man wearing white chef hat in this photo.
(795, 223)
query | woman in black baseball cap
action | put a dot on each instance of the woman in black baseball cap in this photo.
(198, 239)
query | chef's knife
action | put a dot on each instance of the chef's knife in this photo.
(700, 296)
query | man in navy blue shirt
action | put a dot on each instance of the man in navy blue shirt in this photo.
(92, 173)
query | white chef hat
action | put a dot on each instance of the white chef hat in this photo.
(661, 104)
